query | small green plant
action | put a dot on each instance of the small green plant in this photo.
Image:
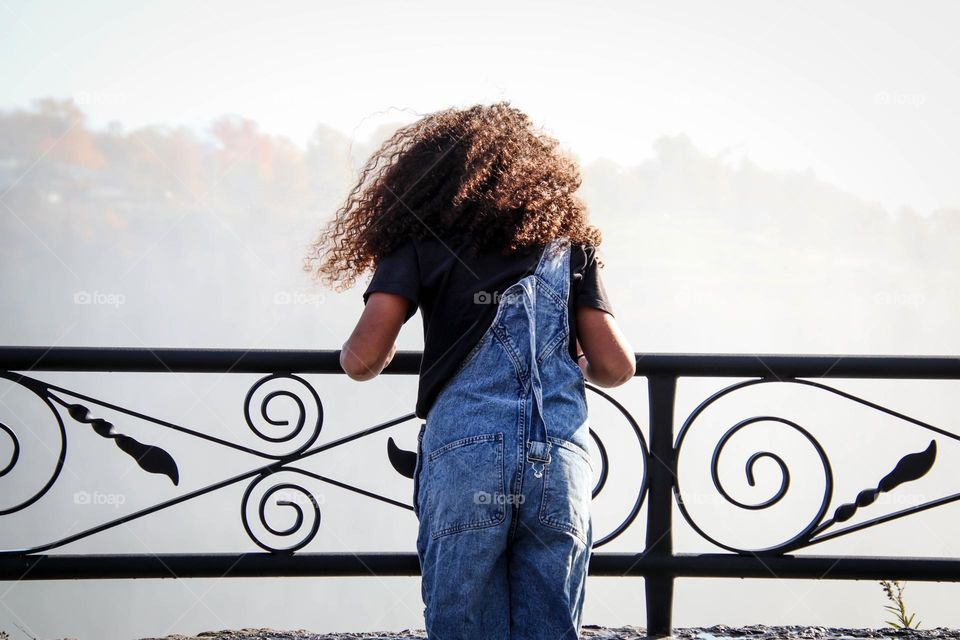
(894, 590)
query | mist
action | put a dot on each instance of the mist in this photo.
(122, 228)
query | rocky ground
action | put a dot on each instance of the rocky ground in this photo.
(593, 632)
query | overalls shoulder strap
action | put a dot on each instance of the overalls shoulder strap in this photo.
(538, 312)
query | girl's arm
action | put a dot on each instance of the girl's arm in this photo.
(373, 342)
(610, 360)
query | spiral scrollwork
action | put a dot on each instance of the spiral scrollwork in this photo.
(804, 535)
(9, 468)
(641, 489)
(306, 405)
(15, 453)
(304, 527)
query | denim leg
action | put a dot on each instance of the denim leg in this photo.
(462, 540)
(465, 587)
(550, 551)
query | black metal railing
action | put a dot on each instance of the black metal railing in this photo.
(658, 481)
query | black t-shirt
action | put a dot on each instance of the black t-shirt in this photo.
(458, 292)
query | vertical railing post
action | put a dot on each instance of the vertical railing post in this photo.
(661, 476)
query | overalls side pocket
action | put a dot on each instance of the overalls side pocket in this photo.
(416, 471)
(568, 490)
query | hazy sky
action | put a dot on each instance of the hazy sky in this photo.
(703, 257)
(863, 93)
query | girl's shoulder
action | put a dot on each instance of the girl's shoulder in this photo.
(583, 256)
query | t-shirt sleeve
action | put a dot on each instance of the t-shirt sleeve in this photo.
(398, 272)
(590, 291)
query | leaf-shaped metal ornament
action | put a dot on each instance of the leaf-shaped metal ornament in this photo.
(150, 458)
(910, 467)
(405, 462)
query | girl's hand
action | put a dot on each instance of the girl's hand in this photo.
(581, 362)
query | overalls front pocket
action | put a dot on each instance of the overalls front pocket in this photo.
(465, 486)
(567, 489)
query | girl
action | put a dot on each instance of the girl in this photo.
(471, 216)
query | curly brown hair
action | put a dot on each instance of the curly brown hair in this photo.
(483, 171)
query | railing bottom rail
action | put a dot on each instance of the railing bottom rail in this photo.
(261, 564)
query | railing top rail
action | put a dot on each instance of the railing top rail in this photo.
(188, 360)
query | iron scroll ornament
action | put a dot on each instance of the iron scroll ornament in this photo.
(83, 409)
(150, 458)
(910, 467)
(298, 524)
(155, 460)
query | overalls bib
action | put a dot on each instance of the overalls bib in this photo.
(503, 481)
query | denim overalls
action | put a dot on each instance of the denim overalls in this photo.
(503, 480)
